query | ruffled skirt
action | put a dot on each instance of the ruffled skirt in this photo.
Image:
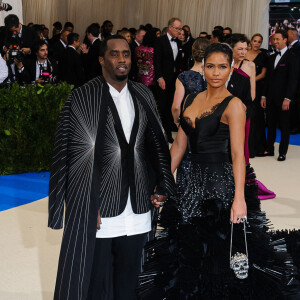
(189, 258)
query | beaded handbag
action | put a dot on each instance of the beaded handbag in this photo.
(239, 261)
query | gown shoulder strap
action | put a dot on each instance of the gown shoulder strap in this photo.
(188, 101)
(223, 106)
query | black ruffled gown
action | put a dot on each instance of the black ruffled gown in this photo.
(189, 258)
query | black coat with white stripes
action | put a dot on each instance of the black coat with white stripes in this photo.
(93, 167)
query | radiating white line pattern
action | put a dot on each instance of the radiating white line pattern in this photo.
(140, 167)
(73, 173)
(111, 172)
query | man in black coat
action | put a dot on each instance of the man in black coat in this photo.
(58, 53)
(25, 35)
(40, 69)
(167, 55)
(294, 46)
(280, 89)
(138, 41)
(108, 139)
(188, 47)
(73, 64)
(91, 55)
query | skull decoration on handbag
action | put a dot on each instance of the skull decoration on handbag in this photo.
(239, 264)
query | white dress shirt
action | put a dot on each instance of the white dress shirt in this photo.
(3, 69)
(174, 46)
(38, 69)
(63, 43)
(292, 43)
(127, 223)
(278, 57)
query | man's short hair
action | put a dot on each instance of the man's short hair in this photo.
(219, 27)
(38, 45)
(11, 21)
(93, 30)
(57, 25)
(72, 37)
(294, 30)
(218, 34)
(172, 20)
(283, 33)
(139, 31)
(228, 28)
(103, 47)
(68, 24)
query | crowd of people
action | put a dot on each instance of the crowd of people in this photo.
(28, 55)
(219, 91)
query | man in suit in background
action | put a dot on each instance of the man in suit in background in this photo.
(294, 46)
(58, 52)
(138, 41)
(188, 46)
(73, 64)
(167, 55)
(279, 91)
(91, 55)
(25, 35)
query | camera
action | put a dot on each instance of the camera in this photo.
(46, 75)
(15, 53)
(5, 6)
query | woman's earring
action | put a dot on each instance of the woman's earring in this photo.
(203, 76)
(203, 68)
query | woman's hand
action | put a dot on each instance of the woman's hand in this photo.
(238, 211)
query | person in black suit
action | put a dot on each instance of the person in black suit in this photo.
(167, 57)
(91, 55)
(294, 46)
(41, 69)
(58, 53)
(188, 47)
(73, 64)
(138, 41)
(279, 91)
(24, 34)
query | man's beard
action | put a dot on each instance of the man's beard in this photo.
(121, 77)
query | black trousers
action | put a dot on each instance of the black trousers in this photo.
(275, 115)
(116, 265)
(257, 135)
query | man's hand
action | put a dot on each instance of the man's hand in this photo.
(40, 80)
(26, 50)
(98, 220)
(84, 48)
(19, 64)
(286, 104)
(158, 200)
(162, 83)
(263, 103)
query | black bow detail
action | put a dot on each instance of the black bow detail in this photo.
(173, 39)
(278, 53)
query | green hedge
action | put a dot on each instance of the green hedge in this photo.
(28, 120)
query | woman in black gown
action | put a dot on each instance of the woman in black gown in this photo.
(189, 258)
(257, 135)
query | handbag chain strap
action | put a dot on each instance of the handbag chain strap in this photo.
(244, 237)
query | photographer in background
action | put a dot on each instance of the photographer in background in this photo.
(14, 58)
(41, 69)
(26, 36)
